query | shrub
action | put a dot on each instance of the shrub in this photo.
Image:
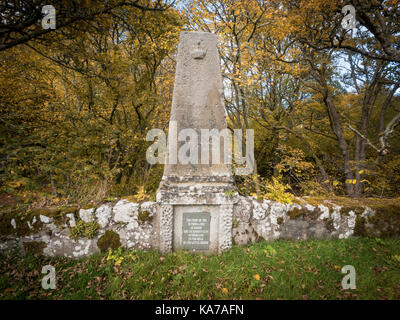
(277, 191)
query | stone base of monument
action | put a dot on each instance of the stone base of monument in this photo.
(195, 216)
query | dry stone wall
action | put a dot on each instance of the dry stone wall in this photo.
(131, 225)
(132, 222)
(256, 220)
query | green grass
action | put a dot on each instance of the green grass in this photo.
(286, 269)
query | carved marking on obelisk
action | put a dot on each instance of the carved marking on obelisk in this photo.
(198, 50)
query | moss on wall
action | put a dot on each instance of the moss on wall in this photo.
(346, 210)
(21, 221)
(34, 247)
(5, 223)
(144, 216)
(58, 214)
(359, 228)
(70, 209)
(297, 213)
(110, 240)
(329, 224)
(84, 229)
(303, 212)
(386, 219)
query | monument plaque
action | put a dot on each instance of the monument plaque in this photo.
(196, 231)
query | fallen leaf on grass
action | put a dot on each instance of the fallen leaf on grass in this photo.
(8, 290)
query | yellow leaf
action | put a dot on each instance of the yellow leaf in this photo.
(224, 290)
(335, 183)
(257, 277)
(118, 262)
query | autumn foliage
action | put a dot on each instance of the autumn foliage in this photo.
(77, 102)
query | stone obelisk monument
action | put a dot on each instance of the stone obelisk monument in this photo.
(194, 196)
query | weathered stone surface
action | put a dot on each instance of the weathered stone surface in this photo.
(45, 219)
(197, 103)
(272, 220)
(103, 214)
(150, 207)
(87, 214)
(125, 211)
(56, 236)
(71, 220)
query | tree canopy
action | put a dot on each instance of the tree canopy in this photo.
(77, 101)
